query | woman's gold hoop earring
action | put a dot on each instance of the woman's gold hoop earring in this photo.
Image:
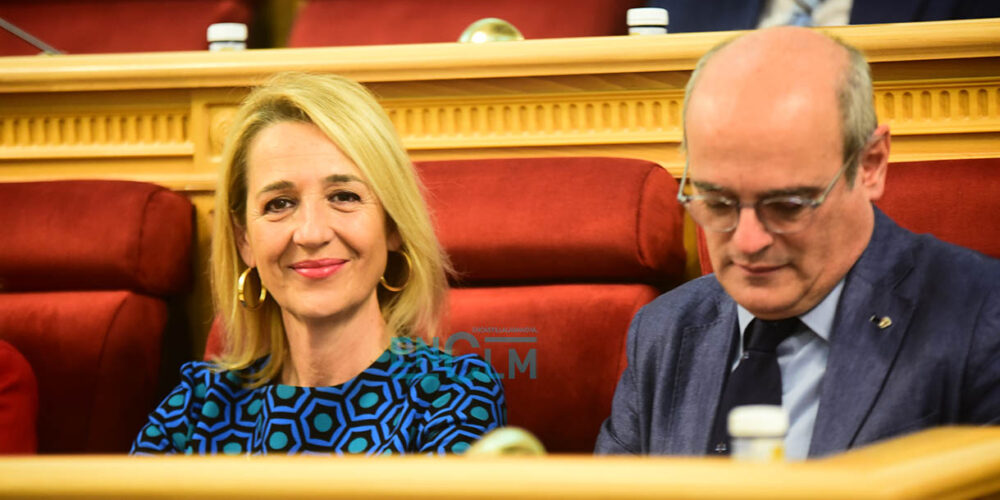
(240, 290)
(409, 274)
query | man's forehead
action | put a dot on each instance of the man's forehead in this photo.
(777, 48)
(769, 65)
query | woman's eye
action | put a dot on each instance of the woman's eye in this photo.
(345, 197)
(277, 205)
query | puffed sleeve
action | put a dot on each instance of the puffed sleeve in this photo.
(170, 425)
(464, 400)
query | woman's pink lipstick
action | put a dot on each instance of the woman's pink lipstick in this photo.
(318, 269)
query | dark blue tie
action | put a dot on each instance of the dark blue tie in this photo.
(756, 379)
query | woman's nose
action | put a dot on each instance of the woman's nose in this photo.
(314, 225)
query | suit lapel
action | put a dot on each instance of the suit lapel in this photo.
(861, 352)
(695, 402)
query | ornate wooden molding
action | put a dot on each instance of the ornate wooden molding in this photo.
(539, 120)
(940, 108)
(936, 84)
(41, 135)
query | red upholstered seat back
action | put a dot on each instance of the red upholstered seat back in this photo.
(18, 403)
(957, 201)
(84, 267)
(543, 220)
(554, 256)
(94, 235)
(367, 22)
(104, 26)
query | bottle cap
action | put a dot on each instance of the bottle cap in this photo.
(647, 16)
(227, 32)
(758, 421)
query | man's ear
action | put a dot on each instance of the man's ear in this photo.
(874, 164)
(243, 243)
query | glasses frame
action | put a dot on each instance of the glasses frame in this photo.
(808, 203)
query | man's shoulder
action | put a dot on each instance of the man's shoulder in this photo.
(704, 292)
(694, 303)
(898, 257)
(946, 263)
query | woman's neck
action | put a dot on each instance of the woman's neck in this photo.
(332, 351)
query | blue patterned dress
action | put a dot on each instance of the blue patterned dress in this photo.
(410, 400)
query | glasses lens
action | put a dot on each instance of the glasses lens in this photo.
(713, 212)
(785, 214)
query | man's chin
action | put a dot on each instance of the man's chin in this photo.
(765, 299)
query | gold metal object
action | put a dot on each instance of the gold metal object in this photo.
(241, 294)
(409, 274)
(507, 441)
(490, 29)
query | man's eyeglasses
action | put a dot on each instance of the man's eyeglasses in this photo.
(781, 214)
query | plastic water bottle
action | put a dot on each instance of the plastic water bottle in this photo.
(758, 432)
(227, 36)
(647, 21)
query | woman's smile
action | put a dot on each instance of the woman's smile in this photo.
(318, 269)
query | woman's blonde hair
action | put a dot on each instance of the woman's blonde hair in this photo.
(351, 117)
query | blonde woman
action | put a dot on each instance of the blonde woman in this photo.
(327, 274)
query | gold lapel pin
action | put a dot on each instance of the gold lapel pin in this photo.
(882, 323)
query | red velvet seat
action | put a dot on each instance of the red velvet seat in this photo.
(367, 22)
(85, 267)
(955, 200)
(104, 26)
(554, 256)
(18, 403)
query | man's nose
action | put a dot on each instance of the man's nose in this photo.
(314, 224)
(750, 235)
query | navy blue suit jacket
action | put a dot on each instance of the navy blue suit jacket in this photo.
(724, 15)
(938, 363)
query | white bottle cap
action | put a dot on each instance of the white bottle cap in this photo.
(227, 32)
(647, 16)
(758, 421)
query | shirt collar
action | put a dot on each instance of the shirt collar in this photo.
(819, 319)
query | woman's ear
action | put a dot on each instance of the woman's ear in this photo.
(874, 164)
(393, 241)
(243, 243)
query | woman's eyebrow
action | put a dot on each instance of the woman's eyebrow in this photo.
(275, 186)
(344, 178)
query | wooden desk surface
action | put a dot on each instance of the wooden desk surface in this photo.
(939, 463)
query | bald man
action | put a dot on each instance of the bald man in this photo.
(885, 332)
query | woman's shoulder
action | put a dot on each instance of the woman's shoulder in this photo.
(202, 375)
(465, 369)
